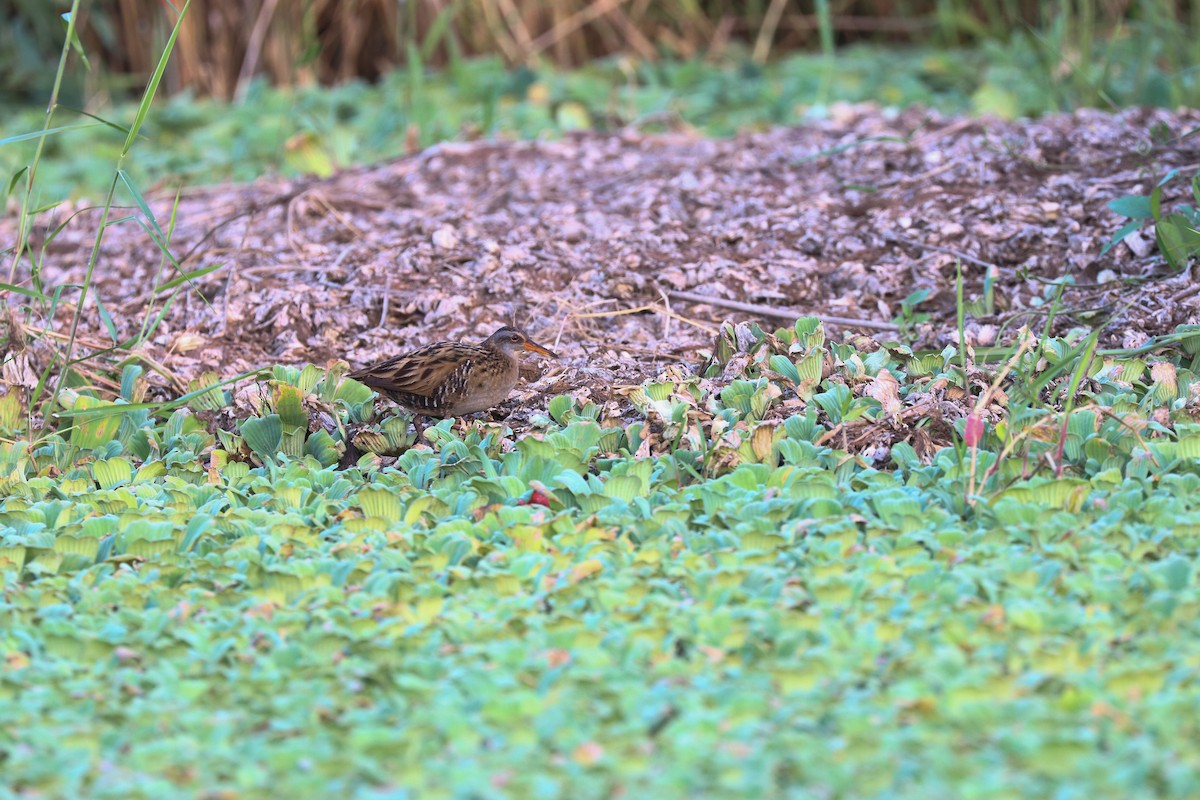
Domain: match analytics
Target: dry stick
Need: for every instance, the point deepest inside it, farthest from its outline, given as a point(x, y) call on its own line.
point(500, 35)
point(929, 137)
point(924, 177)
point(254, 49)
point(1183, 294)
point(720, 39)
point(401, 260)
point(643, 309)
point(62, 337)
point(766, 33)
point(250, 210)
point(570, 316)
point(387, 296)
point(516, 24)
point(806, 23)
point(323, 201)
point(780, 313)
point(667, 316)
point(571, 24)
point(637, 39)
point(892, 237)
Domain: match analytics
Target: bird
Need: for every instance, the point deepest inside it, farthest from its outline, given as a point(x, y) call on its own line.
point(452, 379)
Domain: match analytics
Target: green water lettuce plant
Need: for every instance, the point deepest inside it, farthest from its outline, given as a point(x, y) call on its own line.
point(304, 412)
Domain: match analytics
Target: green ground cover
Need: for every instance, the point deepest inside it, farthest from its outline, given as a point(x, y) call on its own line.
point(710, 601)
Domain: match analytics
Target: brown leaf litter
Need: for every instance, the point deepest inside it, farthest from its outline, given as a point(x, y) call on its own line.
point(599, 245)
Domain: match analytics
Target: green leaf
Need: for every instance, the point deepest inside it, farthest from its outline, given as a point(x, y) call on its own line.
point(810, 331)
point(1119, 236)
point(25, 137)
point(85, 546)
point(750, 399)
point(263, 435)
point(623, 487)
point(1178, 572)
point(915, 299)
point(188, 277)
point(113, 472)
point(834, 401)
point(572, 116)
point(1000, 101)
point(106, 318)
point(12, 182)
point(150, 471)
point(211, 400)
point(1134, 206)
point(559, 406)
point(289, 405)
point(396, 431)
point(11, 412)
point(91, 433)
point(1065, 493)
point(785, 367)
point(115, 410)
point(9, 287)
point(68, 21)
point(1177, 240)
point(309, 377)
point(129, 382)
point(323, 448)
point(148, 221)
point(353, 393)
point(378, 501)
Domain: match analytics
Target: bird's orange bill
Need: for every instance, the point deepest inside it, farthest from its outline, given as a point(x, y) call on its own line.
point(537, 348)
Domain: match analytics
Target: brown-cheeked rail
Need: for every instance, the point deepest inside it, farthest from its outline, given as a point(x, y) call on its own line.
point(450, 379)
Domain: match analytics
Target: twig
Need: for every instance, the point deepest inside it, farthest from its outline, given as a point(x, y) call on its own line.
point(323, 201)
point(780, 313)
point(500, 33)
point(254, 49)
point(387, 291)
point(642, 310)
point(637, 40)
point(667, 316)
point(569, 25)
point(517, 25)
point(766, 33)
point(253, 208)
point(897, 239)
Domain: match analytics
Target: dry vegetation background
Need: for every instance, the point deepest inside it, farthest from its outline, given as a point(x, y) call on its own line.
point(304, 41)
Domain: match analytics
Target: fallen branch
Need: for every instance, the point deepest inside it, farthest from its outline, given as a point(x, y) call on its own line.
point(789, 314)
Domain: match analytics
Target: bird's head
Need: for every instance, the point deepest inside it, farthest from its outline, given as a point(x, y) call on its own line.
point(513, 342)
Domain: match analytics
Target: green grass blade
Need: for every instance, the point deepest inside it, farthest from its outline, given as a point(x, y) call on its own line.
point(42, 134)
point(188, 277)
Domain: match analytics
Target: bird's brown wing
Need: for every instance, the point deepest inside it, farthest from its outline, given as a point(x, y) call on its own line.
point(430, 379)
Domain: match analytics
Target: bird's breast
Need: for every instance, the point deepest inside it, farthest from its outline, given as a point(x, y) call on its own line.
point(484, 388)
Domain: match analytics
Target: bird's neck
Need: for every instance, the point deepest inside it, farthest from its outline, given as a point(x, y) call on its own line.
point(503, 354)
